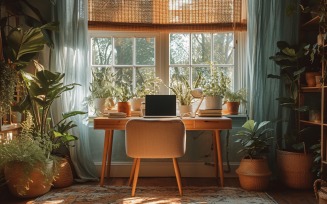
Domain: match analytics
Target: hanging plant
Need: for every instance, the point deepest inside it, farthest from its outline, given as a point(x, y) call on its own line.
point(8, 82)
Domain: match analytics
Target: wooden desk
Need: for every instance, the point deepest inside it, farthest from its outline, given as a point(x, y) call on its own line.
point(215, 124)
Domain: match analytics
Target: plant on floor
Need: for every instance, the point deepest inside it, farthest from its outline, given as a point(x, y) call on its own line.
point(255, 139)
point(292, 62)
point(27, 152)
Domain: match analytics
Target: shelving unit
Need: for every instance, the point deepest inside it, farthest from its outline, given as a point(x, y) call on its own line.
point(309, 31)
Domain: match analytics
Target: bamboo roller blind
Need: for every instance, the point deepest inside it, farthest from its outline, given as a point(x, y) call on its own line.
point(168, 15)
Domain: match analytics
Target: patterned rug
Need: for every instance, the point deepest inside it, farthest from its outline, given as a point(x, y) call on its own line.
point(122, 194)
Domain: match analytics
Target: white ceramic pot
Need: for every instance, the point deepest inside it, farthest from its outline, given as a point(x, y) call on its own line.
point(136, 103)
point(183, 109)
point(213, 102)
point(99, 105)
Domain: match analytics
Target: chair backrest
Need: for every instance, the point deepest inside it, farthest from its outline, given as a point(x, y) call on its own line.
point(155, 138)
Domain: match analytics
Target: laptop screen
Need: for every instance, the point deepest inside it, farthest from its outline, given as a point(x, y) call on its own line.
point(160, 105)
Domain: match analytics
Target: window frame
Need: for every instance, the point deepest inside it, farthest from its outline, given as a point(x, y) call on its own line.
point(161, 52)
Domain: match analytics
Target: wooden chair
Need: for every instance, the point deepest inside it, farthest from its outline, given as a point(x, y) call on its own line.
point(155, 138)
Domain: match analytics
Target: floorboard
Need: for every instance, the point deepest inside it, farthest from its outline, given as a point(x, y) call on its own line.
point(281, 194)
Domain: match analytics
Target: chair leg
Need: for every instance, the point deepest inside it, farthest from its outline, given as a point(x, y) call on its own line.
point(136, 175)
point(178, 176)
point(131, 176)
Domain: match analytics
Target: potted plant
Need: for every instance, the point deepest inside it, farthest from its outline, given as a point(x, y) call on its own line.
point(149, 86)
point(28, 172)
point(293, 156)
point(181, 88)
point(124, 95)
point(102, 89)
point(254, 171)
point(41, 91)
point(215, 88)
point(232, 99)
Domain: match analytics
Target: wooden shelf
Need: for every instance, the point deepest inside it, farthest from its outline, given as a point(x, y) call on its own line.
point(311, 89)
point(311, 22)
point(10, 128)
point(310, 122)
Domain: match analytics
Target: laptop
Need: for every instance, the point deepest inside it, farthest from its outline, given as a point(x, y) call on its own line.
point(160, 106)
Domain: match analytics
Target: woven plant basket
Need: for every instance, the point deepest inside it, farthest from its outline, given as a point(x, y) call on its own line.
point(254, 174)
point(320, 188)
point(295, 169)
point(64, 176)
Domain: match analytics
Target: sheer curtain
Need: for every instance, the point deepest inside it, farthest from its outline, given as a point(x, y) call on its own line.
point(69, 57)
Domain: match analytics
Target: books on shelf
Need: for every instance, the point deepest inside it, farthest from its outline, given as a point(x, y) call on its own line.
point(117, 115)
point(210, 112)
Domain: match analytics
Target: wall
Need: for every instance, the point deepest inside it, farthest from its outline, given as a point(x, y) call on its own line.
point(197, 161)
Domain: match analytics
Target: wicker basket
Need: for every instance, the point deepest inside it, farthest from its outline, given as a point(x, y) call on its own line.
point(295, 169)
point(64, 177)
point(320, 188)
point(254, 174)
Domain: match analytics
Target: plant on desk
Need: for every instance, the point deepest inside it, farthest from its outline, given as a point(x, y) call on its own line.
point(182, 89)
point(124, 95)
point(102, 89)
point(253, 171)
point(232, 99)
point(149, 86)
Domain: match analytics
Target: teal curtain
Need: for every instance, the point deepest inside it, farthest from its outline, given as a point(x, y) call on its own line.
point(70, 57)
point(268, 23)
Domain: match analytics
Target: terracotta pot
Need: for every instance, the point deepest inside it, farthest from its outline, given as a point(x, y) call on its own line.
point(124, 107)
point(64, 174)
point(232, 108)
point(310, 78)
point(295, 169)
point(28, 183)
point(254, 174)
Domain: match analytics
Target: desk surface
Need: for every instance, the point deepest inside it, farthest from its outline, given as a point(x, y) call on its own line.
point(197, 123)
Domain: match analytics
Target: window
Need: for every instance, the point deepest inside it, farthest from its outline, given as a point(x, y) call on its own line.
point(132, 58)
point(137, 56)
point(191, 53)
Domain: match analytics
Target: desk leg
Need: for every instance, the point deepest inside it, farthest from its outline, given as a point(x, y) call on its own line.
point(106, 154)
point(215, 157)
point(220, 160)
point(110, 133)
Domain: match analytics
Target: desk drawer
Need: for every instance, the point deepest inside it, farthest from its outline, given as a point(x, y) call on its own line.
point(212, 124)
point(110, 124)
point(189, 124)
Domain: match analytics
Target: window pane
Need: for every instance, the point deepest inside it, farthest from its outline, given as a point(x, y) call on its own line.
point(179, 49)
point(124, 51)
point(143, 73)
point(101, 51)
point(201, 48)
point(204, 71)
point(145, 51)
point(124, 74)
point(176, 72)
point(223, 48)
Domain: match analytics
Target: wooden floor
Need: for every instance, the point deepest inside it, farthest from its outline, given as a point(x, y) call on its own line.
point(278, 192)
